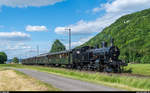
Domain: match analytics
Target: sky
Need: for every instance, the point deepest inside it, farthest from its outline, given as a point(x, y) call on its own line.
point(28, 24)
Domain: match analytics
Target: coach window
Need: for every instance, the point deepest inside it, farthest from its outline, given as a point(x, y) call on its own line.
point(50, 56)
point(58, 55)
point(55, 56)
point(63, 55)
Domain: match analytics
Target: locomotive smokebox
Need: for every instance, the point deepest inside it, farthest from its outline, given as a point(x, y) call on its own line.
point(104, 44)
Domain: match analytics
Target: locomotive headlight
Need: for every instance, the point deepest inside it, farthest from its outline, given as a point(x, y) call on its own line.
point(110, 60)
point(78, 52)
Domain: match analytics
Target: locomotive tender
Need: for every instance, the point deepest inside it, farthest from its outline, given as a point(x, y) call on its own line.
point(103, 59)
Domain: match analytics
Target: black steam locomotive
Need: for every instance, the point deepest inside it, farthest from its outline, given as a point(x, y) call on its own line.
point(104, 59)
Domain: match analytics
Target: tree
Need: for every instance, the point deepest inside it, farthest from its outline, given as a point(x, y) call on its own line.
point(3, 57)
point(57, 46)
point(15, 60)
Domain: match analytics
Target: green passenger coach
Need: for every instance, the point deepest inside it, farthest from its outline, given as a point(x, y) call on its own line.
point(55, 59)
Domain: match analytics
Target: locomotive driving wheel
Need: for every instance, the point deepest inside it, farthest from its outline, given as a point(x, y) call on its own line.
point(117, 69)
point(79, 67)
point(85, 67)
point(107, 69)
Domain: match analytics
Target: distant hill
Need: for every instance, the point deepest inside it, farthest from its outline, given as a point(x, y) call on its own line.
point(132, 35)
point(57, 46)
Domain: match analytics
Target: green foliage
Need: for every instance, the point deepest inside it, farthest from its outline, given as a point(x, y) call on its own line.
point(15, 60)
point(132, 35)
point(3, 57)
point(57, 46)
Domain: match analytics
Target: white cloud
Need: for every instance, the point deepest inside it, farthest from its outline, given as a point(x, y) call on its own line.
point(80, 42)
point(114, 10)
point(127, 5)
point(83, 27)
point(97, 9)
point(18, 46)
point(15, 49)
point(14, 36)
point(80, 27)
point(27, 3)
point(36, 28)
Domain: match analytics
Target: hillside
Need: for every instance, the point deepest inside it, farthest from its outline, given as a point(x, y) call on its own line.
point(57, 46)
point(132, 35)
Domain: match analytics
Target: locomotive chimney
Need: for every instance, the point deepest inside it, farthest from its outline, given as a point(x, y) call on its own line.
point(112, 42)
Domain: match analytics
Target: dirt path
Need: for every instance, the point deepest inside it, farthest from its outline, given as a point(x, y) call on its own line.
point(66, 84)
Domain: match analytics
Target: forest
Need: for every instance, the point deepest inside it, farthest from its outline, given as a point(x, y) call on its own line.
point(131, 34)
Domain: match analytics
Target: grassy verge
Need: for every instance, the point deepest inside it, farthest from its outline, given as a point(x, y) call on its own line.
point(141, 69)
point(47, 87)
point(11, 80)
point(129, 83)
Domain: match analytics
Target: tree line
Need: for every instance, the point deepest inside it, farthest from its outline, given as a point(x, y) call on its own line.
point(3, 58)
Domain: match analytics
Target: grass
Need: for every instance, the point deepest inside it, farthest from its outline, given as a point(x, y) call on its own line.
point(141, 69)
point(11, 80)
point(125, 82)
point(45, 85)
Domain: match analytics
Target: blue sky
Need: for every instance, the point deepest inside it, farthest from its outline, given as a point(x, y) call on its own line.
point(24, 24)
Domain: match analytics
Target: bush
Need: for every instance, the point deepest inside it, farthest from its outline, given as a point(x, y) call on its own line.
point(15, 60)
point(145, 59)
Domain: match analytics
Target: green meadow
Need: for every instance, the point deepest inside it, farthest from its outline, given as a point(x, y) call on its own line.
point(140, 69)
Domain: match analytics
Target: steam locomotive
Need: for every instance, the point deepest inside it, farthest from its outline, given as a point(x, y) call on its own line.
point(104, 59)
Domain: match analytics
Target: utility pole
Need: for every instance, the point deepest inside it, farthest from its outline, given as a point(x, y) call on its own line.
point(37, 49)
point(20, 59)
point(69, 29)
